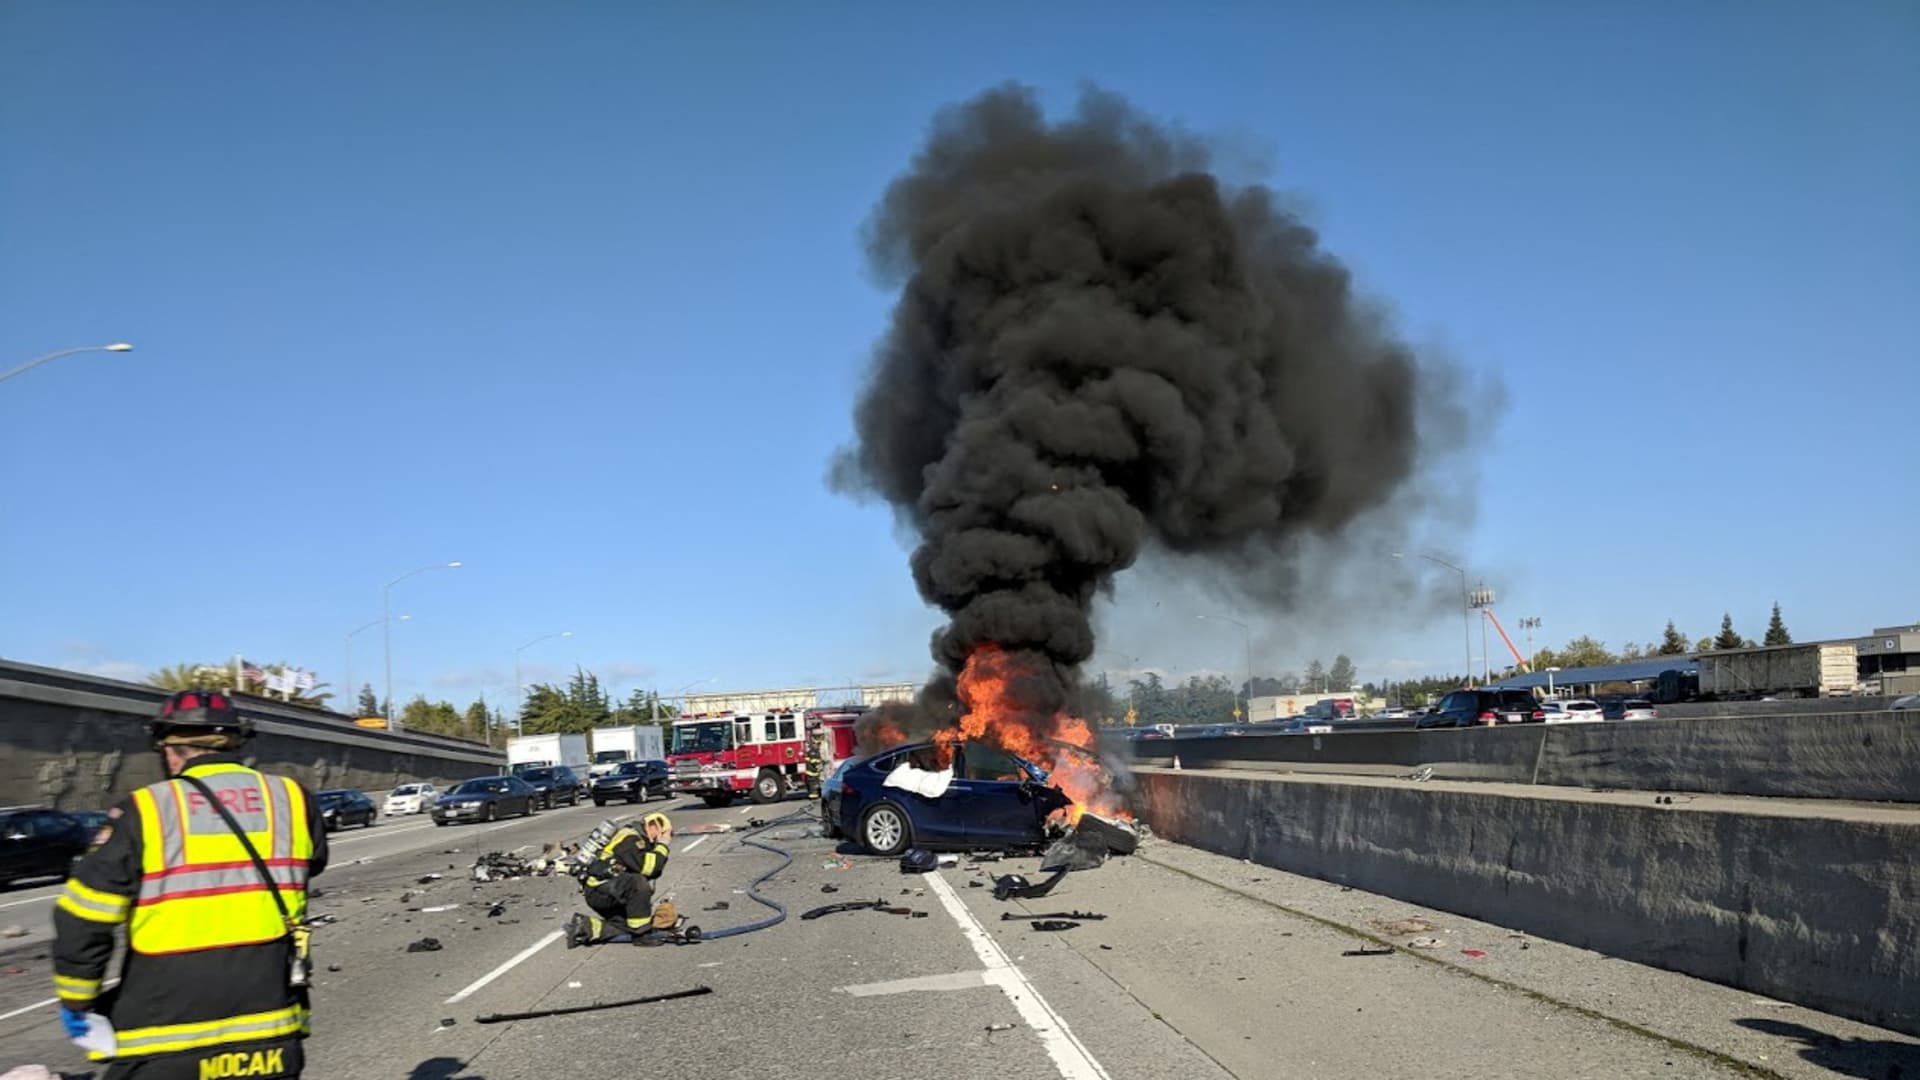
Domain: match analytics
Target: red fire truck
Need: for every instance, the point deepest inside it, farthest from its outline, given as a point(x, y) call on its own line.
point(762, 755)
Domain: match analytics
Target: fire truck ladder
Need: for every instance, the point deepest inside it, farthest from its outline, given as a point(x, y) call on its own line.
point(1519, 660)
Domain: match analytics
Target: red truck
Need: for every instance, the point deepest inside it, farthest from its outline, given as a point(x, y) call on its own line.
point(762, 755)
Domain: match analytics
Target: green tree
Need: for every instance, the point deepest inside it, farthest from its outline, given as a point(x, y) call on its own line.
point(1728, 637)
point(1151, 701)
point(368, 705)
point(1340, 677)
point(1584, 651)
point(191, 677)
point(1315, 679)
point(435, 717)
point(1672, 642)
point(1777, 629)
point(1705, 644)
point(1632, 650)
point(478, 722)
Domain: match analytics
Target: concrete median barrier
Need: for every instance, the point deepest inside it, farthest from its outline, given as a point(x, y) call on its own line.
point(1867, 756)
point(1814, 904)
point(79, 742)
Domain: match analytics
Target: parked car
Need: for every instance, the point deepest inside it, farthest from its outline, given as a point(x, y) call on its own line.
point(1630, 709)
point(995, 800)
point(553, 784)
point(38, 842)
point(341, 807)
point(487, 798)
point(1571, 711)
point(1901, 704)
point(409, 799)
point(91, 820)
point(1479, 708)
point(633, 781)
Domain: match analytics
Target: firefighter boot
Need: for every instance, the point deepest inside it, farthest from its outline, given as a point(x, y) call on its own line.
point(581, 930)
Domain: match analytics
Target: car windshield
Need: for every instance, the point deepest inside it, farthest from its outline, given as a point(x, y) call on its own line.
point(534, 776)
point(407, 789)
point(630, 768)
point(491, 786)
point(602, 757)
point(707, 737)
point(330, 798)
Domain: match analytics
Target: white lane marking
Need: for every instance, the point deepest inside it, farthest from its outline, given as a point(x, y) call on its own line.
point(29, 900)
point(958, 980)
point(693, 845)
point(745, 810)
point(483, 980)
point(50, 1001)
point(1069, 1054)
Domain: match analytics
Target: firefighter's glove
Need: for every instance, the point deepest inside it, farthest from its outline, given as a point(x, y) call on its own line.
point(74, 1022)
point(664, 917)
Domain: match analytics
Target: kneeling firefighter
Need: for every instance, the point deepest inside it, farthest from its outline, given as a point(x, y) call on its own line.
point(618, 886)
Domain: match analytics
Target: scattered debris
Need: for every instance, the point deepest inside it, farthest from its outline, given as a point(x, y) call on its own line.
point(447, 1021)
point(1424, 943)
point(1083, 916)
point(1000, 1027)
point(880, 906)
point(1473, 954)
point(829, 888)
point(498, 909)
point(425, 944)
point(1403, 927)
point(756, 823)
point(335, 967)
point(429, 879)
point(1367, 952)
point(947, 860)
point(1109, 948)
point(1419, 776)
point(322, 920)
point(14, 931)
point(976, 883)
point(709, 827)
point(1054, 924)
point(438, 908)
point(1017, 887)
point(717, 905)
point(13, 971)
point(499, 1018)
point(919, 861)
point(574, 985)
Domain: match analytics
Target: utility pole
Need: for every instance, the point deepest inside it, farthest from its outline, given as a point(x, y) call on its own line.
point(1480, 600)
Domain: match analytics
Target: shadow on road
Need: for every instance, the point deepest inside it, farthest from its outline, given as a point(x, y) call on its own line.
point(1868, 1059)
point(442, 1068)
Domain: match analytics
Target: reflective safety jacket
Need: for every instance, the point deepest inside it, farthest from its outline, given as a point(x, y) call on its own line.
point(207, 950)
point(627, 852)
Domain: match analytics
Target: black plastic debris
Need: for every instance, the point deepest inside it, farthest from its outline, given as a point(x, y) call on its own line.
point(501, 1018)
point(718, 905)
point(919, 861)
point(425, 944)
point(322, 920)
point(1054, 924)
point(976, 883)
point(1367, 952)
point(497, 910)
point(1080, 916)
point(1017, 887)
point(428, 879)
point(999, 1027)
point(829, 888)
point(334, 967)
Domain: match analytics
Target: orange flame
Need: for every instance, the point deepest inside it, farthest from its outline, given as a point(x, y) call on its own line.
point(1060, 743)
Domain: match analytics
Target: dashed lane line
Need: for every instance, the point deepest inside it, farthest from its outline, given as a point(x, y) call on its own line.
point(520, 957)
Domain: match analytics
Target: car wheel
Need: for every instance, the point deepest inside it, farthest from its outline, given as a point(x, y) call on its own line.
point(598, 801)
point(636, 796)
point(440, 823)
point(493, 811)
point(884, 830)
point(527, 810)
point(769, 787)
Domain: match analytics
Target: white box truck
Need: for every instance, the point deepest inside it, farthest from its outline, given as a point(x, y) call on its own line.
point(631, 742)
point(529, 751)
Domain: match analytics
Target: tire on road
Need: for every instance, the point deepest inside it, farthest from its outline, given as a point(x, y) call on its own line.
point(493, 811)
point(885, 829)
point(768, 787)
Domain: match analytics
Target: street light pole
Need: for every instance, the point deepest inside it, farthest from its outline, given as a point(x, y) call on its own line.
point(520, 687)
point(350, 636)
point(119, 346)
point(1466, 607)
point(1247, 634)
point(386, 618)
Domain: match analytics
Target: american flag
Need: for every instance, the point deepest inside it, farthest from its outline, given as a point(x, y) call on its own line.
point(251, 673)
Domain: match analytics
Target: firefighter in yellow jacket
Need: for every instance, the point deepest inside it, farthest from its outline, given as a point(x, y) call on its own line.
point(618, 886)
point(214, 980)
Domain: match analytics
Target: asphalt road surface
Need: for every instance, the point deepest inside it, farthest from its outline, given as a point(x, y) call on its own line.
point(1204, 967)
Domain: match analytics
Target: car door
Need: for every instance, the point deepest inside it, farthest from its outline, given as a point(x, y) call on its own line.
point(994, 804)
point(54, 840)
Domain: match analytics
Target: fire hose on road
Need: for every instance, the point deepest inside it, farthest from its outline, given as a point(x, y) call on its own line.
point(753, 888)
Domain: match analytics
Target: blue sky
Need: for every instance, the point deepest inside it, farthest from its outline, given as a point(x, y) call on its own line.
point(573, 294)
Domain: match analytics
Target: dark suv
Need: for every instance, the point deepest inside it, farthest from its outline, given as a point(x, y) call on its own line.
point(634, 781)
point(551, 784)
point(36, 842)
point(1484, 708)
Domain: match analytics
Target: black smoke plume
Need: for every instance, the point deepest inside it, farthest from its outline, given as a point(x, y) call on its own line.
point(1100, 346)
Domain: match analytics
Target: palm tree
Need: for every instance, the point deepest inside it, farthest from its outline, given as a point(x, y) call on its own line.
point(210, 676)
